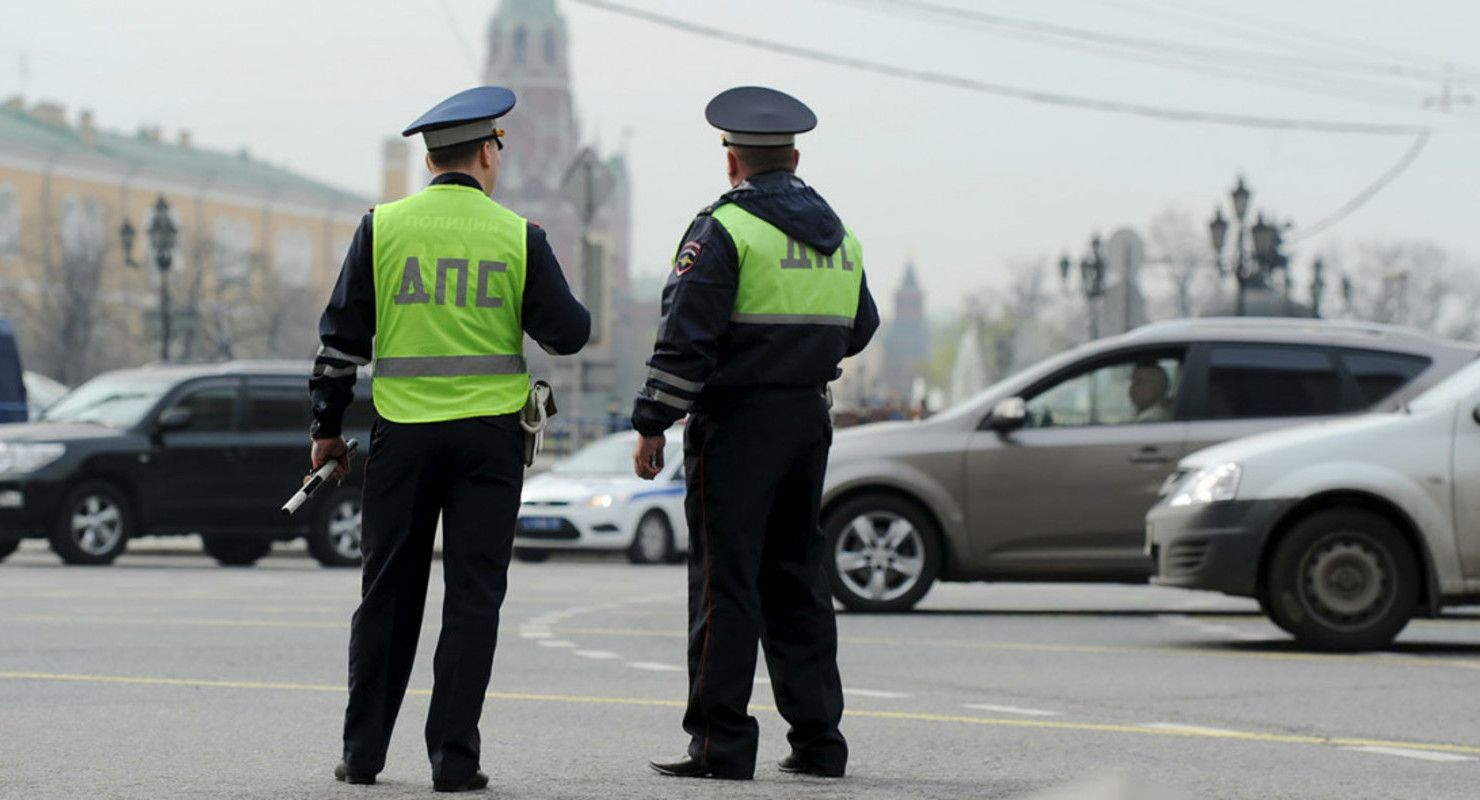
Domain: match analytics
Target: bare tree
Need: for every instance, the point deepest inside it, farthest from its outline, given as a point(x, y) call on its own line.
point(1413, 283)
point(1179, 246)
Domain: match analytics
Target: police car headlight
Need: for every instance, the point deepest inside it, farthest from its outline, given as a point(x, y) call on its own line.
point(606, 500)
point(22, 457)
point(1213, 484)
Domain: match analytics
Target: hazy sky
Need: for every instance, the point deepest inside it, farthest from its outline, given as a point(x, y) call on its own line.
point(962, 182)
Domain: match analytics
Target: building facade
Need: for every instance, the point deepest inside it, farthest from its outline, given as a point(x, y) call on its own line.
point(906, 342)
point(258, 246)
point(529, 52)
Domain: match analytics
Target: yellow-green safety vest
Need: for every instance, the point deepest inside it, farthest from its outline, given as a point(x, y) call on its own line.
point(786, 282)
point(449, 296)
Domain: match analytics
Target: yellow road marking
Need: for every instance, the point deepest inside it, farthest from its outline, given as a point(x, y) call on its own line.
point(1048, 647)
point(906, 716)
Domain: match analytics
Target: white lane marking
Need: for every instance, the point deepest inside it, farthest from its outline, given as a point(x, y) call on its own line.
point(535, 634)
point(599, 655)
point(1178, 619)
point(759, 679)
point(653, 666)
point(1177, 726)
point(1027, 712)
point(1422, 755)
point(875, 693)
point(560, 643)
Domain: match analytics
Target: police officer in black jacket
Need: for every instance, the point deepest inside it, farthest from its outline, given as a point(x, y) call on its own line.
point(767, 296)
point(461, 280)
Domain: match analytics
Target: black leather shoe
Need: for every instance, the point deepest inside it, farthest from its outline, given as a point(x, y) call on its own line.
point(478, 781)
point(690, 767)
point(342, 774)
point(797, 765)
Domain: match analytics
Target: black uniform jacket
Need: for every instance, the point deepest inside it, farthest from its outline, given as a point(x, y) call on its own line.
point(701, 355)
point(552, 316)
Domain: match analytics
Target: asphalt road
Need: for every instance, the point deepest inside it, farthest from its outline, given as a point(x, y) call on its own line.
point(166, 676)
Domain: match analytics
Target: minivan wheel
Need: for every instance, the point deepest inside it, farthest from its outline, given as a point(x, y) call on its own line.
point(653, 542)
point(1343, 579)
point(236, 551)
point(335, 539)
point(93, 526)
point(883, 553)
point(8, 546)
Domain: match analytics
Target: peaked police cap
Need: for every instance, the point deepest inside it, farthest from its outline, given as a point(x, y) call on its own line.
point(754, 116)
point(464, 117)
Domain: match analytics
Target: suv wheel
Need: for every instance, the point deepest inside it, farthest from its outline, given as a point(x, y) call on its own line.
point(8, 546)
point(94, 525)
point(236, 551)
point(883, 553)
point(1343, 579)
point(335, 540)
point(653, 542)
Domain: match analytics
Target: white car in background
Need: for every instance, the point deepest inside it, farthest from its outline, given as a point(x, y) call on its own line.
point(592, 501)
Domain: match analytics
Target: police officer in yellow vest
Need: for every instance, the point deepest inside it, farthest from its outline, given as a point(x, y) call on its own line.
point(767, 296)
point(446, 283)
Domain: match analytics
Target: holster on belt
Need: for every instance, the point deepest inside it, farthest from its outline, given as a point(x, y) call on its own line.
point(533, 418)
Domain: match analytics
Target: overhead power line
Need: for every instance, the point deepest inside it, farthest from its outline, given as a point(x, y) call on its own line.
point(1164, 113)
point(1367, 193)
point(1202, 51)
point(1262, 68)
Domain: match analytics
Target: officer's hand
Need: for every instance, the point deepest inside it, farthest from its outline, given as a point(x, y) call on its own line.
point(647, 462)
point(326, 450)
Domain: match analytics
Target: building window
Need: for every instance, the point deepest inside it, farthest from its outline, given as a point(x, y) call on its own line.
point(10, 219)
point(231, 250)
point(521, 45)
point(82, 228)
point(550, 47)
point(292, 258)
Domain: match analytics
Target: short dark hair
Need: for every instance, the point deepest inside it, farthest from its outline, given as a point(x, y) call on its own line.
point(456, 155)
point(764, 159)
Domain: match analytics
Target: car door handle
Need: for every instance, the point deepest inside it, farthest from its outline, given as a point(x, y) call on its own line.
point(1149, 455)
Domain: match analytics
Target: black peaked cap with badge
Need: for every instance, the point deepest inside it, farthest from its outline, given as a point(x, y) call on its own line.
point(467, 116)
point(754, 116)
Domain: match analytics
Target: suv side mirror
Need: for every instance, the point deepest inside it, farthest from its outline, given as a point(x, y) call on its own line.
point(1008, 415)
point(174, 419)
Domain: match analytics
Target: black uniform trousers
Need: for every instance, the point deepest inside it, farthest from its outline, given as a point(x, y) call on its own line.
point(754, 471)
point(469, 472)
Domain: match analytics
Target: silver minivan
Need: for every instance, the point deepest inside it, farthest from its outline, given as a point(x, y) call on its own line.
point(1048, 475)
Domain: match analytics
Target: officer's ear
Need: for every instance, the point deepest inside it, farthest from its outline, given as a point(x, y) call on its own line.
point(732, 165)
point(796, 159)
point(487, 156)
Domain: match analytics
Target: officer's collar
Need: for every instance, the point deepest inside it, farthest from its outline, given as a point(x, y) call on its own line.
point(457, 179)
point(770, 182)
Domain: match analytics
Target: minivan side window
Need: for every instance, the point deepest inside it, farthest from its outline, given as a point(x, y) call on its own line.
point(1247, 381)
point(212, 408)
point(1378, 375)
point(1136, 389)
point(277, 407)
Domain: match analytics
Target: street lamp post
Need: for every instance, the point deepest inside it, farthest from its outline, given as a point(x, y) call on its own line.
point(1091, 282)
point(162, 234)
point(1264, 236)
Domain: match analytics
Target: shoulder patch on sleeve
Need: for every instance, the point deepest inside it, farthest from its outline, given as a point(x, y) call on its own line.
point(536, 224)
point(688, 255)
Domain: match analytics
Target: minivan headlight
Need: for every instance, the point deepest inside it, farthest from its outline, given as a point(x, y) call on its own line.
point(21, 457)
point(1212, 484)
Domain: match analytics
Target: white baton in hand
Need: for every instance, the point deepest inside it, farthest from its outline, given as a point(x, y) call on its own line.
point(319, 478)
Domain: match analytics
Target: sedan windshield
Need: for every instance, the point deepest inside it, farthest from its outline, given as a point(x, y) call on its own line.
point(118, 400)
point(613, 456)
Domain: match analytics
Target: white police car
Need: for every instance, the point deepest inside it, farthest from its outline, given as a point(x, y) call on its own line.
point(592, 501)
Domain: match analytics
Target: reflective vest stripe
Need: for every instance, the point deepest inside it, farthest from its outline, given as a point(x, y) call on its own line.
point(674, 381)
point(792, 319)
point(448, 366)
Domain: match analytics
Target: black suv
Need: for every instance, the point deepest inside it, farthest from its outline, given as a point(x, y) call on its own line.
point(175, 449)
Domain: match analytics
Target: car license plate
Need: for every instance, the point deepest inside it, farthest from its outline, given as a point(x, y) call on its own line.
point(539, 523)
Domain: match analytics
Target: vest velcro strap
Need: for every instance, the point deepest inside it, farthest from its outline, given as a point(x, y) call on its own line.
point(449, 366)
point(792, 319)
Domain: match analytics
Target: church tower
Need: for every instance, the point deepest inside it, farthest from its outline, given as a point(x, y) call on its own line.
point(528, 52)
point(907, 342)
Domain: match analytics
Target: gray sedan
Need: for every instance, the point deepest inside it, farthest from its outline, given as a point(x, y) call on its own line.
point(1049, 474)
